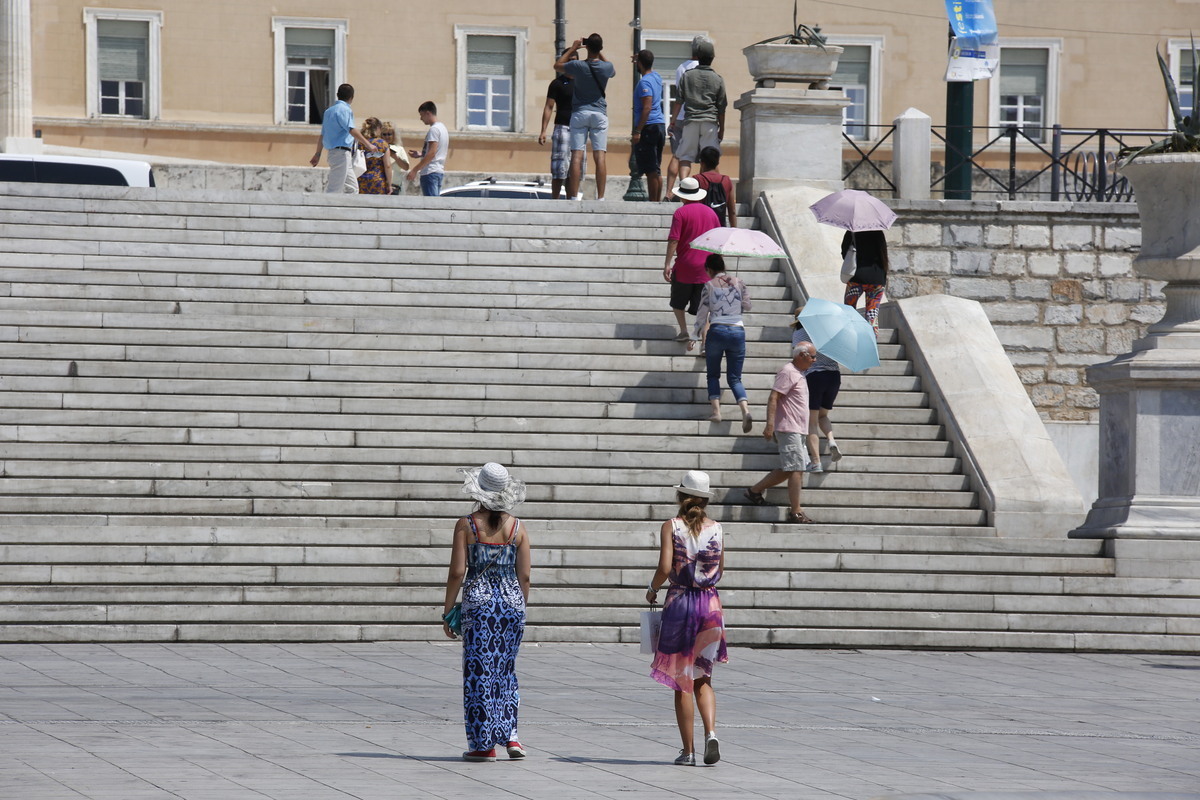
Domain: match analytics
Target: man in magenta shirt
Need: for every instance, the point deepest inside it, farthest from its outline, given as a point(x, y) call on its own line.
point(687, 275)
point(787, 423)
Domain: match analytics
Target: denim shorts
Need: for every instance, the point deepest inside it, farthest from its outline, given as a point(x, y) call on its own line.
point(588, 124)
point(793, 451)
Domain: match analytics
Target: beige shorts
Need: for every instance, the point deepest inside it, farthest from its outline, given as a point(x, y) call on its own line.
point(793, 451)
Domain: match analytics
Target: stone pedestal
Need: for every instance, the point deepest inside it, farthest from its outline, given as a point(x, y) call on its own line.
point(791, 131)
point(16, 79)
point(1150, 398)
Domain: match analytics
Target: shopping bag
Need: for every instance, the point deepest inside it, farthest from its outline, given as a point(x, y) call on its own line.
point(651, 625)
point(360, 162)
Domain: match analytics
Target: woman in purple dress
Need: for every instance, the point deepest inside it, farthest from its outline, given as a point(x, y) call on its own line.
point(692, 638)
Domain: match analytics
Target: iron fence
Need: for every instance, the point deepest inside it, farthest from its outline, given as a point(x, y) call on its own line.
point(885, 133)
point(1080, 164)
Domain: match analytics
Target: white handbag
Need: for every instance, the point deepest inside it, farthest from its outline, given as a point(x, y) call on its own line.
point(651, 625)
point(850, 262)
point(359, 164)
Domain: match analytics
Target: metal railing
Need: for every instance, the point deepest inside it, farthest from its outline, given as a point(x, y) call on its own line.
point(885, 132)
point(1078, 166)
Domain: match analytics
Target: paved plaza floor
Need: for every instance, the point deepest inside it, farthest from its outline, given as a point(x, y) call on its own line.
point(384, 720)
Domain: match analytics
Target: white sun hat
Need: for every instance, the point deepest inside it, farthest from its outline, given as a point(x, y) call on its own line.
point(689, 189)
point(493, 487)
point(695, 483)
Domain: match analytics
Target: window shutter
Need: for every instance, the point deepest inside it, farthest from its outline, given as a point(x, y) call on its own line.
point(854, 66)
point(1023, 70)
point(491, 55)
point(309, 43)
point(123, 50)
point(669, 54)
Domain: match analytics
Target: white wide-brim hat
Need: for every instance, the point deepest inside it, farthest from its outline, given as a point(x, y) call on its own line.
point(689, 189)
point(695, 483)
point(493, 487)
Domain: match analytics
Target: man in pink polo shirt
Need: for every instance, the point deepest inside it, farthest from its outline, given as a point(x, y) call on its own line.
point(687, 275)
point(787, 423)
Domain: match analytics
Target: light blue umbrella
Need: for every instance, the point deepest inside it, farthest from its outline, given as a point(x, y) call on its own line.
point(838, 331)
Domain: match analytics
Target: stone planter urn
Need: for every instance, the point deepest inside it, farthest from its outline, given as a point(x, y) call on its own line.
point(1150, 398)
point(792, 63)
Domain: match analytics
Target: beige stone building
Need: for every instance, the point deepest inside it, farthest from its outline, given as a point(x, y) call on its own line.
point(243, 81)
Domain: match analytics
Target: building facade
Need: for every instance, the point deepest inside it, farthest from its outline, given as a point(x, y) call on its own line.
point(245, 81)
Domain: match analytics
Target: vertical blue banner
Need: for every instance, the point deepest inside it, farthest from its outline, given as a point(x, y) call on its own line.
point(975, 52)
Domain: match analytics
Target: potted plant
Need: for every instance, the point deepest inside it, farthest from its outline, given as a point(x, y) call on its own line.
point(802, 56)
point(1166, 180)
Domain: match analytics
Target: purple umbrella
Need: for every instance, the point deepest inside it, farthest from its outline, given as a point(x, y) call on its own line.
point(854, 211)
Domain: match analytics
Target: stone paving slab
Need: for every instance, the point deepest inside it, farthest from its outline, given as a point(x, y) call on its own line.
point(359, 721)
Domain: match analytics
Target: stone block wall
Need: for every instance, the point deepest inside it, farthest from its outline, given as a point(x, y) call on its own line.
point(1055, 279)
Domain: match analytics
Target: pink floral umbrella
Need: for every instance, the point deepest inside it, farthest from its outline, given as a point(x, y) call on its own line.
point(738, 242)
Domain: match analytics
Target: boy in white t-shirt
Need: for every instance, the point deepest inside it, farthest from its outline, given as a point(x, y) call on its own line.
point(432, 166)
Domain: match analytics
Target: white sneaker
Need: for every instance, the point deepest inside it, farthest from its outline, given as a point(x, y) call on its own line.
point(686, 759)
point(835, 454)
point(814, 466)
point(712, 749)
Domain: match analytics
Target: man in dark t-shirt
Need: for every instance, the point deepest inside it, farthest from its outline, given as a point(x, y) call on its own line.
point(558, 105)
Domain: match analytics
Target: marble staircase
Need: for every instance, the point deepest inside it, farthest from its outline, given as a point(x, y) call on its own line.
point(238, 416)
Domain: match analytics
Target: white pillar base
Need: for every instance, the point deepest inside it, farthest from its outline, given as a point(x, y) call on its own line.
point(23, 145)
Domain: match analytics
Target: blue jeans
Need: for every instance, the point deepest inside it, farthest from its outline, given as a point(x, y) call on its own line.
point(431, 184)
point(728, 341)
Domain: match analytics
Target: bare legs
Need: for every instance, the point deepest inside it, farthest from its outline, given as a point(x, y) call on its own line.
point(795, 482)
point(574, 173)
point(654, 187)
point(819, 421)
point(682, 320)
point(601, 172)
point(706, 701)
point(685, 169)
point(556, 187)
point(744, 405)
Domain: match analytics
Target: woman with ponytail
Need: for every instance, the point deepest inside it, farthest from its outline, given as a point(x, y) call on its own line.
point(692, 639)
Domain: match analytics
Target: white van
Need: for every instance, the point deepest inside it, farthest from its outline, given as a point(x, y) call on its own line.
point(17, 168)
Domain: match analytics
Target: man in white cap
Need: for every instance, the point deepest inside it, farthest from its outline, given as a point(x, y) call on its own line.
point(787, 424)
point(684, 267)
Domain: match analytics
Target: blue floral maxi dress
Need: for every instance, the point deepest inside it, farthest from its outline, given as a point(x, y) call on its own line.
point(493, 624)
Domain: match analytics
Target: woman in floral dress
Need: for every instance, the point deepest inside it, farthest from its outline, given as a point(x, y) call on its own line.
point(490, 562)
point(378, 177)
point(692, 639)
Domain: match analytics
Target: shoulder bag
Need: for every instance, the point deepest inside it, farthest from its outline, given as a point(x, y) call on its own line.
point(850, 262)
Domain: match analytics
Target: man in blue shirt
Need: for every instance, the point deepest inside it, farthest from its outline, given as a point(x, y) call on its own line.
point(649, 124)
point(338, 136)
point(589, 109)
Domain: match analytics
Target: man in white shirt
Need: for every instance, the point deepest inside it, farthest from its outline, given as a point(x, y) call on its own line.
point(432, 166)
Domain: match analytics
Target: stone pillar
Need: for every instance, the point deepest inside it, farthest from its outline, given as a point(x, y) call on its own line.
point(912, 144)
point(1150, 398)
point(16, 79)
point(791, 130)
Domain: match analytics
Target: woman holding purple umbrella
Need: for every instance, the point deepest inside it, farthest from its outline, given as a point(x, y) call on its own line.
point(691, 557)
point(871, 270)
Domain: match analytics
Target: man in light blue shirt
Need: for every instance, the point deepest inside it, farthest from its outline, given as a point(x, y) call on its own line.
point(649, 124)
point(338, 136)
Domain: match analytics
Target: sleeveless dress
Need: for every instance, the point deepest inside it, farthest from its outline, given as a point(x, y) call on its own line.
point(493, 623)
point(373, 181)
point(693, 625)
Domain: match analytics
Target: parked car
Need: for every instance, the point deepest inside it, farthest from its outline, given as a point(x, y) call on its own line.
point(519, 190)
point(79, 170)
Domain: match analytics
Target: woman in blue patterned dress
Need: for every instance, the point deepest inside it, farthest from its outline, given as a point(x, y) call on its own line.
point(490, 562)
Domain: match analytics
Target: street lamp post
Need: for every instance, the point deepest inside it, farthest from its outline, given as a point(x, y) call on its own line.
point(637, 186)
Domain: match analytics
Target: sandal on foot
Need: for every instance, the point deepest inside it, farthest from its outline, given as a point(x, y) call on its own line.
point(756, 498)
point(835, 454)
point(747, 422)
point(799, 519)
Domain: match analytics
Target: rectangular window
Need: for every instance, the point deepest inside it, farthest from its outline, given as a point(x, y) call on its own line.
point(1185, 76)
point(491, 67)
point(122, 63)
point(310, 63)
point(310, 89)
point(668, 55)
point(1024, 75)
point(854, 77)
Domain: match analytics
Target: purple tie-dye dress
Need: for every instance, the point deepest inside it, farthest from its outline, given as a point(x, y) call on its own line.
point(693, 625)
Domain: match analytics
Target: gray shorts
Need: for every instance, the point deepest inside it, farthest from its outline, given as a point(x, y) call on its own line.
point(793, 451)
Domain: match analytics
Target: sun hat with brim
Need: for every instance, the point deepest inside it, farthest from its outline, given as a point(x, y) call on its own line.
point(695, 483)
point(493, 487)
point(689, 189)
